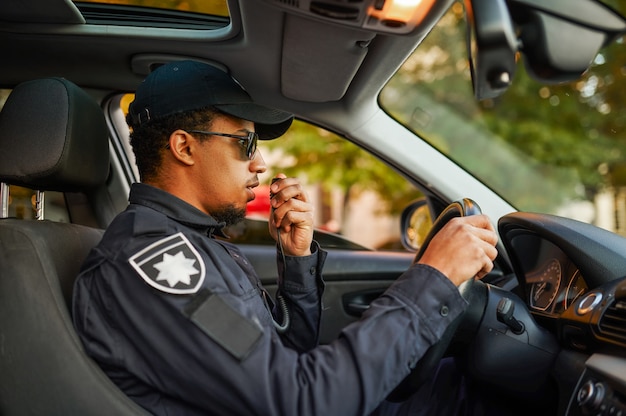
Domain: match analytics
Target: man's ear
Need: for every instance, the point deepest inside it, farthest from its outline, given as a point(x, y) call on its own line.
point(180, 146)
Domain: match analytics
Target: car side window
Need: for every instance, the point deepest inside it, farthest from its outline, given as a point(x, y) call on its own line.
point(354, 193)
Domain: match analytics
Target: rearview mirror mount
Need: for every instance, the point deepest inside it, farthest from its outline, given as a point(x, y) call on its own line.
point(558, 39)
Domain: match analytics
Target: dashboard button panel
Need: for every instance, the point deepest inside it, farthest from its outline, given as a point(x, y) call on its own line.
point(601, 390)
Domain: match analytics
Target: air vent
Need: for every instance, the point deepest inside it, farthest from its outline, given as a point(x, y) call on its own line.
point(613, 322)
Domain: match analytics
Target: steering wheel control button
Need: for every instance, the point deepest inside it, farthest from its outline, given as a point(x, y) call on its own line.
point(588, 302)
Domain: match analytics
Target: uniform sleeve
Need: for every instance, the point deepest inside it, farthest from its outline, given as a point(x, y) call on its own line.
point(160, 347)
point(301, 287)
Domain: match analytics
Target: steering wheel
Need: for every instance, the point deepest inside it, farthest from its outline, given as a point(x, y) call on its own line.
point(474, 292)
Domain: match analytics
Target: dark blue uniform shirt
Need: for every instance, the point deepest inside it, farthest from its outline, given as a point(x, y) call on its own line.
point(177, 319)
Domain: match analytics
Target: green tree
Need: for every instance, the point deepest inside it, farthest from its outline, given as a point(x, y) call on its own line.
point(331, 161)
point(573, 132)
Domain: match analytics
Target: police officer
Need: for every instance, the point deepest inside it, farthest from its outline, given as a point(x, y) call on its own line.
point(179, 320)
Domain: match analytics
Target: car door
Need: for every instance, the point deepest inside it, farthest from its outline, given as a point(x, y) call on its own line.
point(353, 278)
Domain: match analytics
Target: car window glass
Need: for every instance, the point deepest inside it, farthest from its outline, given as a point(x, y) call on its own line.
point(555, 149)
point(348, 187)
point(211, 7)
point(175, 14)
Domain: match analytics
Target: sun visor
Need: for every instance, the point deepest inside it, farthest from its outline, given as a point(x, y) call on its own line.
point(342, 49)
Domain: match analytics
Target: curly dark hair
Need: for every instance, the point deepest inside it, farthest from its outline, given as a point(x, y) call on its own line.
point(150, 139)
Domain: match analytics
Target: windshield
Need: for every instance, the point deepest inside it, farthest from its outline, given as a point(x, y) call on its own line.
point(556, 149)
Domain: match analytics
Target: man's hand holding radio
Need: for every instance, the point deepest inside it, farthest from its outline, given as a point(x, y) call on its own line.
point(291, 216)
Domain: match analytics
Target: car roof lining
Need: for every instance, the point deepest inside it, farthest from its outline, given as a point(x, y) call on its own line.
point(305, 46)
point(306, 74)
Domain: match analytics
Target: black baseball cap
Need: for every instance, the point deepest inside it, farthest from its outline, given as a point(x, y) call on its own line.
point(190, 85)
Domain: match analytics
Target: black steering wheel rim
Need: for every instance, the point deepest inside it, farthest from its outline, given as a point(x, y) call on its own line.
point(469, 290)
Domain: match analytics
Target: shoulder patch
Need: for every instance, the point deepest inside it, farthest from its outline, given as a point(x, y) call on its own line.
point(171, 265)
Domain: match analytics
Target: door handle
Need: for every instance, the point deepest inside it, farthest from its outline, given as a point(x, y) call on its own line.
point(356, 303)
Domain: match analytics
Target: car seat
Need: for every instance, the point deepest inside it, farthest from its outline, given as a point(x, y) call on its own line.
point(53, 136)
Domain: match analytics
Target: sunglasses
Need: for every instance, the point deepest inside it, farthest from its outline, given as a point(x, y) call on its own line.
point(248, 142)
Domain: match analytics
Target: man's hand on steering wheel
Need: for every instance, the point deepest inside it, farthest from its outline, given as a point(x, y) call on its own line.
point(463, 248)
point(461, 245)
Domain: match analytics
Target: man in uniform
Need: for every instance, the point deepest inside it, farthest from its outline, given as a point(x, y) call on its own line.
point(179, 320)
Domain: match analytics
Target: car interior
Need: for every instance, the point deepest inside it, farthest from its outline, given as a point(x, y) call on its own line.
point(547, 325)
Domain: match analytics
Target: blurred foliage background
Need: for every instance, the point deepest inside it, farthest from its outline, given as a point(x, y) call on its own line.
point(539, 146)
point(333, 163)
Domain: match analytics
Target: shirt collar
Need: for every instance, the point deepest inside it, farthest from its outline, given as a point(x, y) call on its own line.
point(174, 208)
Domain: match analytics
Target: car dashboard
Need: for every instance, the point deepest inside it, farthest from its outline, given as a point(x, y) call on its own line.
point(555, 283)
point(572, 280)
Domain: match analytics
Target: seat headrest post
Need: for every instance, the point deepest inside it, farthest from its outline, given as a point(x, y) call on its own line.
point(4, 200)
point(40, 202)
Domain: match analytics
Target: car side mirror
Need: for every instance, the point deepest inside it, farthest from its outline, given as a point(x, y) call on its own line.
point(558, 39)
point(415, 222)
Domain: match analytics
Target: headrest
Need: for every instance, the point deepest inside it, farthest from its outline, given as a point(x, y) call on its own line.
point(53, 136)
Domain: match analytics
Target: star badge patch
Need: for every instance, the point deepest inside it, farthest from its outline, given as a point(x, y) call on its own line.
point(171, 265)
